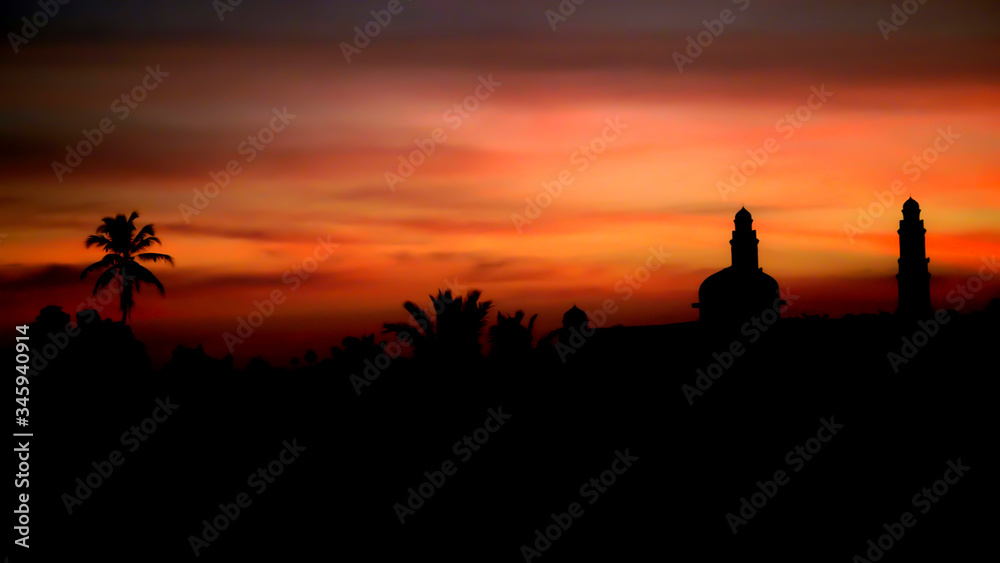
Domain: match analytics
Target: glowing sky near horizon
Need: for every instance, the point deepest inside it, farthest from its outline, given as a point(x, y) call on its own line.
point(654, 186)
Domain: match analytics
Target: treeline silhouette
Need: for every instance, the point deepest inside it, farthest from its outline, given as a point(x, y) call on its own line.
point(379, 411)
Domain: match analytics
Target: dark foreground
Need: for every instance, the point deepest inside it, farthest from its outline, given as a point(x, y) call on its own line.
point(338, 467)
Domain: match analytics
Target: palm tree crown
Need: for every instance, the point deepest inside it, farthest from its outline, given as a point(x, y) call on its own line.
point(122, 246)
point(509, 338)
point(456, 332)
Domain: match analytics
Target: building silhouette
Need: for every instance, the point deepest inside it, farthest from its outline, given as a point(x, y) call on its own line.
point(913, 279)
point(735, 294)
point(574, 318)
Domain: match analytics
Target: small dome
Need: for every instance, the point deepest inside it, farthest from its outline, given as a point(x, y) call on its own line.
point(575, 317)
point(743, 213)
point(911, 204)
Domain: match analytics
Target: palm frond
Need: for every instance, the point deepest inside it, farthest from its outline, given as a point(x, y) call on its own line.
point(97, 240)
point(104, 279)
point(155, 257)
point(424, 324)
point(108, 261)
point(143, 275)
point(109, 222)
point(146, 233)
point(147, 230)
point(138, 245)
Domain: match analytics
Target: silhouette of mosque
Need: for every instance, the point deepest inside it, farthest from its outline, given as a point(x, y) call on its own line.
point(573, 332)
point(743, 290)
point(914, 280)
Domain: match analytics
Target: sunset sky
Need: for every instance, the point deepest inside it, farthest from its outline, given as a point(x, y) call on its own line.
point(655, 185)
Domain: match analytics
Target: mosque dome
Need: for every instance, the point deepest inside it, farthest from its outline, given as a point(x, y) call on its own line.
point(574, 318)
point(737, 293)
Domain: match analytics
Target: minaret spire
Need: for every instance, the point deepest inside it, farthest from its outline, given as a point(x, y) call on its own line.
point(913, 279)
point(744, 242)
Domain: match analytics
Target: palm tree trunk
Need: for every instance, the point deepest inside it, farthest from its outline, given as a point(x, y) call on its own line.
point(126, 297)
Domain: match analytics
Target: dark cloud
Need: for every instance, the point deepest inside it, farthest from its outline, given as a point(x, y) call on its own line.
point(321, 20)
point(259, 235)
point(15, 279)
point(324, 278)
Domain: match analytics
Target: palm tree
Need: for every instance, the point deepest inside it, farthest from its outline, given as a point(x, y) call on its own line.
point(454, 334)
point(122, 246)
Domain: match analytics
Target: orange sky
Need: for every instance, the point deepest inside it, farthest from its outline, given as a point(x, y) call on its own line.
point(655, 185)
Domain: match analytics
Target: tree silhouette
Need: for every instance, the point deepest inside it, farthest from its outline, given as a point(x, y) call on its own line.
point(351, 357)
point(358, 349)
point(258, 365)
point(509, 339)
point(310, 357)
point(122, 246)
point(456, 331)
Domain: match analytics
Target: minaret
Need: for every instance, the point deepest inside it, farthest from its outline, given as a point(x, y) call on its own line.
point(913, 278)
point(736, 293)
point(744, 242)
